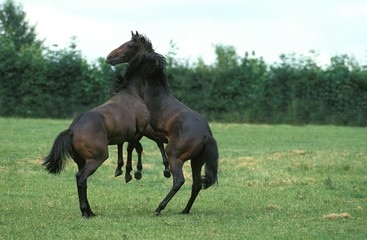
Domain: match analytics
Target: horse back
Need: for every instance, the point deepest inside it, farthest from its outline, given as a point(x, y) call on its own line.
point(184, 129)
point(175, 116)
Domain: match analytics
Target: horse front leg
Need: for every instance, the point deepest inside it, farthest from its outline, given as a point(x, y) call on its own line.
point(178, 181)
point(120, 160)
point(196, 165)
point(128, 168)
point(166, 171)
point(139, 165)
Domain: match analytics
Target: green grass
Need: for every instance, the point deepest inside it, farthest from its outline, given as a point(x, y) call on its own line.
point(275, 182)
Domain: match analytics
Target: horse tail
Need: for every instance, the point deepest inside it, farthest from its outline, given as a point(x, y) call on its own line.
point(61, 150)
point(211, 162)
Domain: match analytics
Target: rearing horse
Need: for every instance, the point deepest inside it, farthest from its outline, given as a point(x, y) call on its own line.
point(186, 132)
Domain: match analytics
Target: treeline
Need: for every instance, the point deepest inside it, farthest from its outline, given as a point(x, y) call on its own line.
point(38, 81)
point(296, 90)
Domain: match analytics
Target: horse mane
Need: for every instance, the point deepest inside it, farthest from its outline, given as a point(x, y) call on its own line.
point(157, 62)
point(119, 83)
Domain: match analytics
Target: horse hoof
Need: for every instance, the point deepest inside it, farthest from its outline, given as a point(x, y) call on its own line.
point(87, 215)
point(157, 213)
point(137, 175)
point(118, 173)
point(185, 211)
point(167, 173)
point(128, 178)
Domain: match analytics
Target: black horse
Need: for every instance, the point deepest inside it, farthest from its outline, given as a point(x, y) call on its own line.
point(186, 132)
point(123, 118)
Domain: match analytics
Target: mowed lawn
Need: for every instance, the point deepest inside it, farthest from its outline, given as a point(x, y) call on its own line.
point(275, 182)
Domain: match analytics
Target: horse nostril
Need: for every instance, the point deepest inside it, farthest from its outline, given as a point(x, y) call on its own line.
point(109, 57)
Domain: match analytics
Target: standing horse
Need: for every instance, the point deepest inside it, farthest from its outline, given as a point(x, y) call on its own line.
point(186, 132)
point(122, 118)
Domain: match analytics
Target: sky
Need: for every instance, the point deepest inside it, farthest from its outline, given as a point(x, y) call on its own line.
point(267, 27)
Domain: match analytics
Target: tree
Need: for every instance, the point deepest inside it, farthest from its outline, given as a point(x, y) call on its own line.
point(21, 61)
point(15, 27)
point(36, 81)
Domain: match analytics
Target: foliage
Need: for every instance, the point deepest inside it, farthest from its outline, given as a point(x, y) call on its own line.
point(296, 90)
point(275, 182)
point(37, 81)
point(44, 82)
point(14, 27)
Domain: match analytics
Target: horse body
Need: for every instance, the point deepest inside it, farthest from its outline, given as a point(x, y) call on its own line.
point(186, 133)
point(176, 123)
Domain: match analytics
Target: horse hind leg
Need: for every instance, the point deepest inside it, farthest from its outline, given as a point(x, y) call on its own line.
point(196, 184)
point(178, 181)
point(139, 166)
point(120, 160)
point(81, 181)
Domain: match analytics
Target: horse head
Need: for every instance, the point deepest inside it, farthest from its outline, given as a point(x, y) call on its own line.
point(138, 45)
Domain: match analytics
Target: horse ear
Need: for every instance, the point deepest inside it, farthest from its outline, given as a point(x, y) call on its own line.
point(136, 33)
point(132, 34)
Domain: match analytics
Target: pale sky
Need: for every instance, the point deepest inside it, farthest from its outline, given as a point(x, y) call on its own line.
point(268, 27)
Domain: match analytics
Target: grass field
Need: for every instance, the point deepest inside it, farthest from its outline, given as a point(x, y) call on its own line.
point(275, 182)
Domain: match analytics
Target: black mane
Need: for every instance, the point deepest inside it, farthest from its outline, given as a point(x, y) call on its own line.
point(157, 65)
point(119, 83)
point(158, 61)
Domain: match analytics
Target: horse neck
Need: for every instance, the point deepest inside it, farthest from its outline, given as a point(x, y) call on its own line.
point(156, 87)
point(149, 81)
point(137, 80)
point(137, 85)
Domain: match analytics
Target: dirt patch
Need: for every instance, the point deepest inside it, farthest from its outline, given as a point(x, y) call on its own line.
point(337, 215)
point(38, 161)
point(273, 207)
point(280, 155)
point(299, 152)
point(246, 162)
point(277, 156)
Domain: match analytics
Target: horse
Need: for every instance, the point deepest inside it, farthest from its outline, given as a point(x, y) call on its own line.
point(186, 132)
point(123, 118)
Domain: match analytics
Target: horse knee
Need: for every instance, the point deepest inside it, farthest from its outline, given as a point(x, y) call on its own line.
point(138, 147)
point(197, 186)
point(130, 147)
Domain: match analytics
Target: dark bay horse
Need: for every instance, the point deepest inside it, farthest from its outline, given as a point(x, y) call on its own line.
point(123, 118)
point(186, 132)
